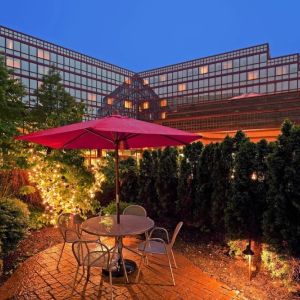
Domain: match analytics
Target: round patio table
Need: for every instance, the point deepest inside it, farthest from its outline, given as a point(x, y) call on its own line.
point(108, 226)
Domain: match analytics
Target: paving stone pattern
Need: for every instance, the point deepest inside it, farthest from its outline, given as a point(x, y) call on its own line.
point(38, 278)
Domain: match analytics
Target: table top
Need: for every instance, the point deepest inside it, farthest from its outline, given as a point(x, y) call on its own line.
point(107, 225)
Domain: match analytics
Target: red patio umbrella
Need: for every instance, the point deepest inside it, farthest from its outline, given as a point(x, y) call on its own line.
point(111, 133)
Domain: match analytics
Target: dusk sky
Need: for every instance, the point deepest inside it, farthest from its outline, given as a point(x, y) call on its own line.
point(141, 35)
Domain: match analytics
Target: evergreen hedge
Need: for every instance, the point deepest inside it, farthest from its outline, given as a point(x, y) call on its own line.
point(235, 189)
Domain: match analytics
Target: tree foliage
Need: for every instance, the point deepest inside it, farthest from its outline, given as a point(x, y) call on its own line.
point(221, 174)
point(204, 185)
point(281, 219)
point(13, 223)
point(147, 181)
point(187, 187)
point(129, 180)
point(12, 112)
point(60, 175)
point(166, 182)
point(55, 106)
point(239, 214)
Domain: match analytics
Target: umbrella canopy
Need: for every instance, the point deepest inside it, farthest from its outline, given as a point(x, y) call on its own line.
point(111, 133)
point(106, 132)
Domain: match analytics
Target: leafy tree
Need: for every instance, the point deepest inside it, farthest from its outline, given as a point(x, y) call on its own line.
point(55, 106)
point(281, 225)
point(147, 181)
point(187, 189)
point(12, 112)
point(129, 180)
point(202, 204)
point(60, 175)
point(238, 139)
point(221, 174)
point(128, 171)
point(263, 150)
point(241, 218)
point(167, 181)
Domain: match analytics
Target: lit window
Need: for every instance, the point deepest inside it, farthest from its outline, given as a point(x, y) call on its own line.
point(13, 63)
point(252, 75)
point(127, 80)
point(91, 97)
point(163, 115)
point(145, 105)
point(43, 54)
point(110, 101)
point(163, 103)
point(203, 70)
point(281, 70)
point(227, 64)
point(128, 104)
point(10, 62)
point(9, 44)
point(146, 81)
point(181, 87)
point(163, 77)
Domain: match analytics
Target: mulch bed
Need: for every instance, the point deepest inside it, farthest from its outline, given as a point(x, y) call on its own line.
point(208, 256)
point(213, 258)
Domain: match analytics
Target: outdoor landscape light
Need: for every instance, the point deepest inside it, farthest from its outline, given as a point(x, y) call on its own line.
point(249, 253)
point(254, 176)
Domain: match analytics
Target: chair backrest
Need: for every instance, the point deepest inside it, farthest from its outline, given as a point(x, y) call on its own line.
point(176, 231)
point(68, 221)
point(89, 252)
point(135, 210)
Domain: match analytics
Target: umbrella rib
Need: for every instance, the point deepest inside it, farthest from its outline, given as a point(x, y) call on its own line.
point(129, 136)
point(99, 135)
point(73, 139)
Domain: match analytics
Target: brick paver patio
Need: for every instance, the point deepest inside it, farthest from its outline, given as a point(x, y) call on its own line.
point(38, 278)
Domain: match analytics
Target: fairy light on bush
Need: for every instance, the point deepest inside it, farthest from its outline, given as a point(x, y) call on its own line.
point(60, 194)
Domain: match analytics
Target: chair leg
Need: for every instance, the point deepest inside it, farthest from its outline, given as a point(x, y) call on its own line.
point(140, 267)
point(83, 271)
point(174, 259)
point(61, 252)
point(75, 280)
point(111, 286)
point(171, 268)
point(88, 274)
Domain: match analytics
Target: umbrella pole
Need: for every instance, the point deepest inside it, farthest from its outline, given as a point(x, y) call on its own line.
point(117, 181)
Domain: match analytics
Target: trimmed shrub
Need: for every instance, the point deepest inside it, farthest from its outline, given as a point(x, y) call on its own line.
point(187, 188)
point(281, 225)
point(241, 218)
point(129, 187)
point(202, 203)
point(221, 174)
point(147, 179)
point(14, 217)
point(110, 209)
point(167, 179)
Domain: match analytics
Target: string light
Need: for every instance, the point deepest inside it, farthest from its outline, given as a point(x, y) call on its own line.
point(58, 192)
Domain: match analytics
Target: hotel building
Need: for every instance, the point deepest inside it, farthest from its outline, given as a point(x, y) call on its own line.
point(216, 95)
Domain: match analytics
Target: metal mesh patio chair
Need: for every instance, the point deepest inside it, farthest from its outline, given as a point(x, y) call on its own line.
point(135, 210)
point(159, 246)
point(93, 254)
point(69, 227)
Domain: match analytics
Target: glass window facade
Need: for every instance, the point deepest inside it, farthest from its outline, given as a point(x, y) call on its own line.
point(87, 79)
point(98, 84)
